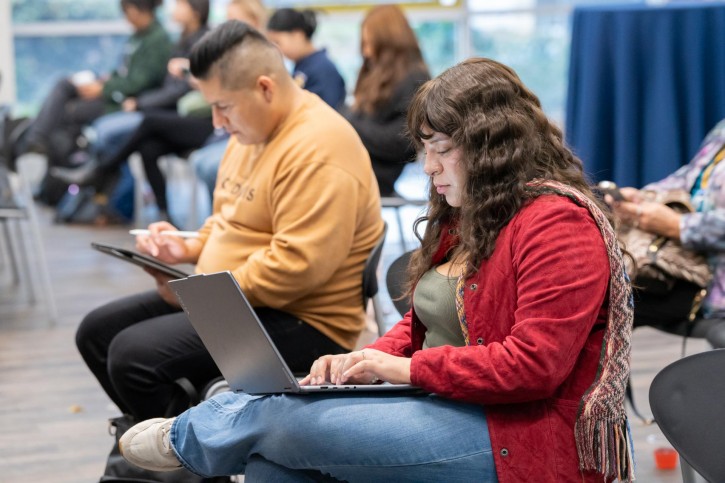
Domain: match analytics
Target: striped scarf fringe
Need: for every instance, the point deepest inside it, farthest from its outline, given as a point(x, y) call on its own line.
point(603, 438)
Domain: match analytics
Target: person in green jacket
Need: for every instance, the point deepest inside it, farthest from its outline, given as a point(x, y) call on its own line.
point(83, 97)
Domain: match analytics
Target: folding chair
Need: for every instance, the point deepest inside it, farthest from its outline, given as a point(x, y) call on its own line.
point(397, 203)
point(16, 208)
point(395, 281)
point(370, 282)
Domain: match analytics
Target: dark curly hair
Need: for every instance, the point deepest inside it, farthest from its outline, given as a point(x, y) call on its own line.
point(507, 143)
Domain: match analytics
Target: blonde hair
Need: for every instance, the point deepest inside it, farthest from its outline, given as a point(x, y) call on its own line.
point(255, 10)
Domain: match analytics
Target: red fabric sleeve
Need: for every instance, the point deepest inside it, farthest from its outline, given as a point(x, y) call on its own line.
point(396, 341)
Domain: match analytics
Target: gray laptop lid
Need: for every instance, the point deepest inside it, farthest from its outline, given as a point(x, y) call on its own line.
point(237, 341)
point(230, 330)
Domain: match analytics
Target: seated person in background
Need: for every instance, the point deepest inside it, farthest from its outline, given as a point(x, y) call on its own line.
point(516, 290)
point(79, 100)
point(392, 70)
point(294, 222)
point(109, 133)
point(161, 133)
point(703, 230)
point(292, 32)
point(112, 130)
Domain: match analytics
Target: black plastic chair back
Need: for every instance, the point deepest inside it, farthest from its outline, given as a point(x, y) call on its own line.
point(687, 402)
point(370, 275)
point(396, 279)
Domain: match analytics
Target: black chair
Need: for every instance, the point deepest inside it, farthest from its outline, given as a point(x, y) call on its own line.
point(687, 401)
point(370, 285)
point(395, 280)
point(716, 334)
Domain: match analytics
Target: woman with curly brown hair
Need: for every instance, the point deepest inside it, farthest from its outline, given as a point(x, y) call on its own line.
point(519, 327)
point(392, 70)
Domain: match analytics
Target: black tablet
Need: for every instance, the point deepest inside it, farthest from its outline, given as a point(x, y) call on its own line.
point(139, 259)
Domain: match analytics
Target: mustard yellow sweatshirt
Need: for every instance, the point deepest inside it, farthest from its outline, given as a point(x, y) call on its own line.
point(294, 219)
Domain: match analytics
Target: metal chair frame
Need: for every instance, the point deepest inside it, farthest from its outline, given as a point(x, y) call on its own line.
point(16, 247)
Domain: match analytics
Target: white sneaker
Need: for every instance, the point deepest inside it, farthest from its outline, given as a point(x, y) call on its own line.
point(147, 445)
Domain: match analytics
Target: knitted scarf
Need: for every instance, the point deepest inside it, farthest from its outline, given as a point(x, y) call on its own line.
point(603, 440)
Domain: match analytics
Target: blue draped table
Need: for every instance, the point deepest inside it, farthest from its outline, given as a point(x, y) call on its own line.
point(646, 83)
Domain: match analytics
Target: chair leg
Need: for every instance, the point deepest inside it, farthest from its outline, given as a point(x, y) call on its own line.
point(22, 258)
point(379, 316)
point(139, 182)
point(689, 475)
point(45, 283)
point(630, 397)
point(8, 245)
point(401, 231)
point(192, 220)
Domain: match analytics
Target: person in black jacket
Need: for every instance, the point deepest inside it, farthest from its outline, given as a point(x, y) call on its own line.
point(392, 70)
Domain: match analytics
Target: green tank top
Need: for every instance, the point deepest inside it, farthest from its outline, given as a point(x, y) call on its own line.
point(434, 301)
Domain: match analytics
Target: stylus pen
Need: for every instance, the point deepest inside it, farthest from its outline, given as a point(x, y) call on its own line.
point(179, 233)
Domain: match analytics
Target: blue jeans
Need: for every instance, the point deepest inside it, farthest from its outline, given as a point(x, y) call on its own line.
point(384, 437)
point(113, 130)
point(205, 161)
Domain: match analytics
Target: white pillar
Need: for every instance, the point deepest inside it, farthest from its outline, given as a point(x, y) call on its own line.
point(7, 54)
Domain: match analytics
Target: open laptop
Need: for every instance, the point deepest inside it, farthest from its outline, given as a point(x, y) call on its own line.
point(238, 342)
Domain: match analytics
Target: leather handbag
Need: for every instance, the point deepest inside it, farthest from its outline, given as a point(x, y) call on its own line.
point(657, 261)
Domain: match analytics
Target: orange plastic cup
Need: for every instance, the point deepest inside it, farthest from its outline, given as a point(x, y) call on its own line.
point(666, 458)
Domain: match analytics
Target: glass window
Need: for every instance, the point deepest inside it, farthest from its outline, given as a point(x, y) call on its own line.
point(41, 61)
point(535, 46)
point(341, 37)
point(438, 41)
point(27, 11)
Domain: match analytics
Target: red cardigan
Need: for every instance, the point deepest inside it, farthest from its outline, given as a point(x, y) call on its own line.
point(536, 312)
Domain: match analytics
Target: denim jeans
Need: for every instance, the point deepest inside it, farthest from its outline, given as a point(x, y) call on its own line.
point(358, 438)
point(113, 130)
point(205, 161)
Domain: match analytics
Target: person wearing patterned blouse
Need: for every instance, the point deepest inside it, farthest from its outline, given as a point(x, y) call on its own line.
point(702, 230)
